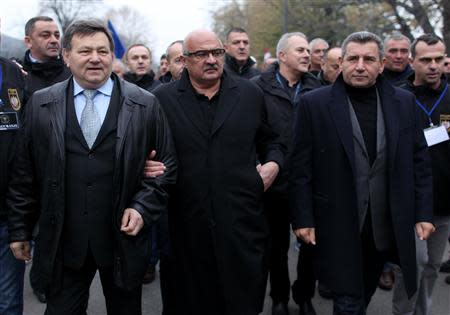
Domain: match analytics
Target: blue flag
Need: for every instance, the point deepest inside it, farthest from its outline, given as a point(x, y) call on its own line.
point(119, 48)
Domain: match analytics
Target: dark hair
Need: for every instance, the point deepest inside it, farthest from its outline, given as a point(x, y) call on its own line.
point(163, 56)
point(85, 28)
point(363, 38)
point(429, 39)
point(29, 26)
point(138, 45)
point(235, 30)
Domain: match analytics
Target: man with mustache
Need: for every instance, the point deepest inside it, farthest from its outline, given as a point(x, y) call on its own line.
point(43, 62)
point(361, 177)
point(218, 229)
point(429, 85)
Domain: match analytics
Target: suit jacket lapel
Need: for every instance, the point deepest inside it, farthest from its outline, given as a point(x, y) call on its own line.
point(340, 113)
point(188, 103)
point(229, 97)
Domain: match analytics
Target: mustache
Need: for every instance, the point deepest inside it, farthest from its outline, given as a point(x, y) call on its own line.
point(53, 46)
point(211, 67)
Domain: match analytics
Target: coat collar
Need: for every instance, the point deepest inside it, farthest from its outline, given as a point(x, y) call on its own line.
point(229, 96)
point(338, 106)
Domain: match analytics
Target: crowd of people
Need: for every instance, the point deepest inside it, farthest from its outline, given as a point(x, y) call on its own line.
point(209, 164)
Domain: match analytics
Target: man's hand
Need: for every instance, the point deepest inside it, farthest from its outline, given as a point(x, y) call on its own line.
point(308, 235)
point(268, 173)
point(153, 168)
point(21, 250)
point(132, 222)
point(424, 230)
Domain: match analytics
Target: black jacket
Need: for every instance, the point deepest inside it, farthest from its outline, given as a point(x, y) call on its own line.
point(440, 153)
point(281, 109)
point(146, 81)
point(12, 81)
point(219, 231)
point(38, 184)
point(42, 75)
point(248, 71)
point(322, 183)
point(398, 78)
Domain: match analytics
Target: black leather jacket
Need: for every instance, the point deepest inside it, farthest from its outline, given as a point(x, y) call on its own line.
point(37, 188)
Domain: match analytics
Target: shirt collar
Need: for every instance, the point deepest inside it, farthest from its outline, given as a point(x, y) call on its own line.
point(105, 89)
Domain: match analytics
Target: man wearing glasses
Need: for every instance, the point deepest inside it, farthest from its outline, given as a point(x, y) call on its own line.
point(217, 227)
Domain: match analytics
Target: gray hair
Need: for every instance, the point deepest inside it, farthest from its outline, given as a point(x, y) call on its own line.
point(284, 39)
point(396, 36)
point(363, 38)
point(316, 41)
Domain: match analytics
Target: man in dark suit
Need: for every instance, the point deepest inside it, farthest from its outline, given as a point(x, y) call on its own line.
point(218, 229)
point(85, 141)
point(361, 177)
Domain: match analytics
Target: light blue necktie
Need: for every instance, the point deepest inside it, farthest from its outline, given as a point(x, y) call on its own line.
point(90, 122)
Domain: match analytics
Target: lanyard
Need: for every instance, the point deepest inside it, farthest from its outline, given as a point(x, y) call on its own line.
point(297, 90)
point(438, 101)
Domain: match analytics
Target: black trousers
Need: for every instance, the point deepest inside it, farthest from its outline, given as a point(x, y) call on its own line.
point(277, 207)
point(304, 287)
point(73, 298)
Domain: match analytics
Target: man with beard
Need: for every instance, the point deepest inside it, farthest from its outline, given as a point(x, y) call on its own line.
point(218, 229)
point(138, 59)
point(237, 58)
point(361, 178)
point(43, 62)
point(283, 83)
point(429, 85)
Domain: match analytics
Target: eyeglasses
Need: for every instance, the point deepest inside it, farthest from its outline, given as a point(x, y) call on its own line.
point(204, 54)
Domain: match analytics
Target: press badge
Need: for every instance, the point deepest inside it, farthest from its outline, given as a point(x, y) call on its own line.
point(9, 121)
point(435, 135)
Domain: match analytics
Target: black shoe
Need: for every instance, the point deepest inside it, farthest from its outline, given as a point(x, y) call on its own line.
point(386, 281)
point(280, 308)
point(40, 296)
point(445, 267)
point(325, 292)
point(306, 309)
point(150, 275)
point(447, 279)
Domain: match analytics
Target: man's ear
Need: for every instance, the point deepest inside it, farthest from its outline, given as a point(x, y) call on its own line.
point(27, 41)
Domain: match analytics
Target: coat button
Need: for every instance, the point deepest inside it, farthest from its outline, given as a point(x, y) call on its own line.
point(91, 156)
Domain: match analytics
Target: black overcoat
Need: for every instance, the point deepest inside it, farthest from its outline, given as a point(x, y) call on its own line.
point(323, 190)
point(218, 229)
point(37, 189)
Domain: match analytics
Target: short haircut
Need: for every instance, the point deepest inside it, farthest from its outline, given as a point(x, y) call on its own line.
point(284, 39)
point(396, 36)
point(163, 56)
point(325, 56)
point(235, 30)
point(138, 45)
point(429, 39)
point(180, 41)
point(85, 28)
point(363, 38)
point(29, 26)
point(316, 41)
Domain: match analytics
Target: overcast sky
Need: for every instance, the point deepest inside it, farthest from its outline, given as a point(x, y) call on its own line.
point(169, 19)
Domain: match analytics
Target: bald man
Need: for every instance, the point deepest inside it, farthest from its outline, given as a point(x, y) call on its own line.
point(218, 230)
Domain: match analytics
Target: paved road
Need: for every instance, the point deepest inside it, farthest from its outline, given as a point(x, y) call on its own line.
point(380, 305)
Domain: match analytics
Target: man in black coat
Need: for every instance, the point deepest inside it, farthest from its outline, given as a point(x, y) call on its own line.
point(361, 177)
point(80, 162)
point(283, 83)
point(429, 85)
point(396, 55)
point(237, 59)
point(44, 66)
point(138, 58)
point(218, 228)
point(11, 107)
point(43, 62)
